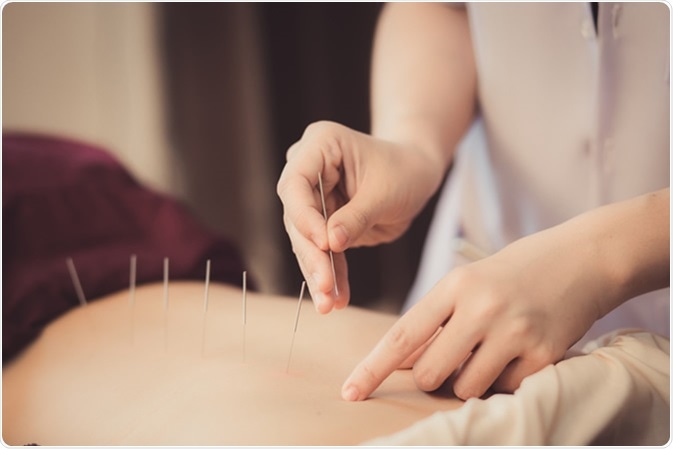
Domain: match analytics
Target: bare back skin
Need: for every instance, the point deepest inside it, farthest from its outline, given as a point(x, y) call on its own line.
point(114, 374)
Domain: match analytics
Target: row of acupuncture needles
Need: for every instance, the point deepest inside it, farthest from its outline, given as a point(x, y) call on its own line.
point(132, 288)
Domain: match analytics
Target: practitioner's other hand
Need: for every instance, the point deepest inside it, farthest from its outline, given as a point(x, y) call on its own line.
point(373, 190)
point(498, 320)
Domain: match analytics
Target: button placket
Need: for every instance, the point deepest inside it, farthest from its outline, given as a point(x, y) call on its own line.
point(587, 30)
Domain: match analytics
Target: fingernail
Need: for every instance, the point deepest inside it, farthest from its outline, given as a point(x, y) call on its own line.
point(350, 393)
point(340, 235)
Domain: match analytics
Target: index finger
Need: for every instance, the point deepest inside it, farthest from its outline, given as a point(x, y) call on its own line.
point(409, 333)
point(296, 189)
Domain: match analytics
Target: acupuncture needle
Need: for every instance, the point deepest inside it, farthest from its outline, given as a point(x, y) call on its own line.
point(75, 280)
point(78, 286)
point(205, 308)
point(244, 306)
point(296, 321)
point(324, 212)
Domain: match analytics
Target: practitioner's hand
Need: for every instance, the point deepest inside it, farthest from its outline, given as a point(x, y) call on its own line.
point(497, 320)
point(373, 190)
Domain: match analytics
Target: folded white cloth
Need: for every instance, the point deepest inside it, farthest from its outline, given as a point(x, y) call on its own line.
point(617, 391)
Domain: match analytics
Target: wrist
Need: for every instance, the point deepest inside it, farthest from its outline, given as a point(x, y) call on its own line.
point(422, 148)
point(630, 241)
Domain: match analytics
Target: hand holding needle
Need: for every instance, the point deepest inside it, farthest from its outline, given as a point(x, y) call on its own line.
point(324, 212)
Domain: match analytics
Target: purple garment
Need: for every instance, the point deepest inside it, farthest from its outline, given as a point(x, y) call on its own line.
point(62, 198)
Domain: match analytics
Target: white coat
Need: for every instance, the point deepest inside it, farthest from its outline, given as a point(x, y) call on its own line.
point(569, 120)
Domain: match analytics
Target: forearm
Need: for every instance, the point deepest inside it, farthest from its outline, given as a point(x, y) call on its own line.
point(631, 241)
point(423, 78)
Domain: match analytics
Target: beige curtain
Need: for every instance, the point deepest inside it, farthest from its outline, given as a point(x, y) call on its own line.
point(219, 128)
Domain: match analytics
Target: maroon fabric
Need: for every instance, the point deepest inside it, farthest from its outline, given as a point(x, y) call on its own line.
point(62, 198)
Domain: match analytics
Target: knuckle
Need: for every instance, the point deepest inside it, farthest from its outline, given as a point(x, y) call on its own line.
point(427, 378)
point(457, 279)
point(301, 220)
point(463, 276)
point(287, 223)
point(488, 306)
point(321, 128)
point(301, 257)
point(467, 282)
point(521, 329)
point(540, 349)
point(371, 376)
point(291, 151)
point(361, 218)
point(282, 186)
point(399, 340)
point(327, 137)
point(491, 307)
point(546, 352)
point(300, 254)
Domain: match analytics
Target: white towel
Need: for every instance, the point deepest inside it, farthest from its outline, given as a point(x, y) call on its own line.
point(617, 391)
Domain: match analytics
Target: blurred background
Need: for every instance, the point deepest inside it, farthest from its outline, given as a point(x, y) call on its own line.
point(201, 101)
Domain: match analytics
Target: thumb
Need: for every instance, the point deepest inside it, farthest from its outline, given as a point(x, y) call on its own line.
point(350, 222)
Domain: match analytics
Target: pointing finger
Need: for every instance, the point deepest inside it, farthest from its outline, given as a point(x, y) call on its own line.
point(409, 333)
